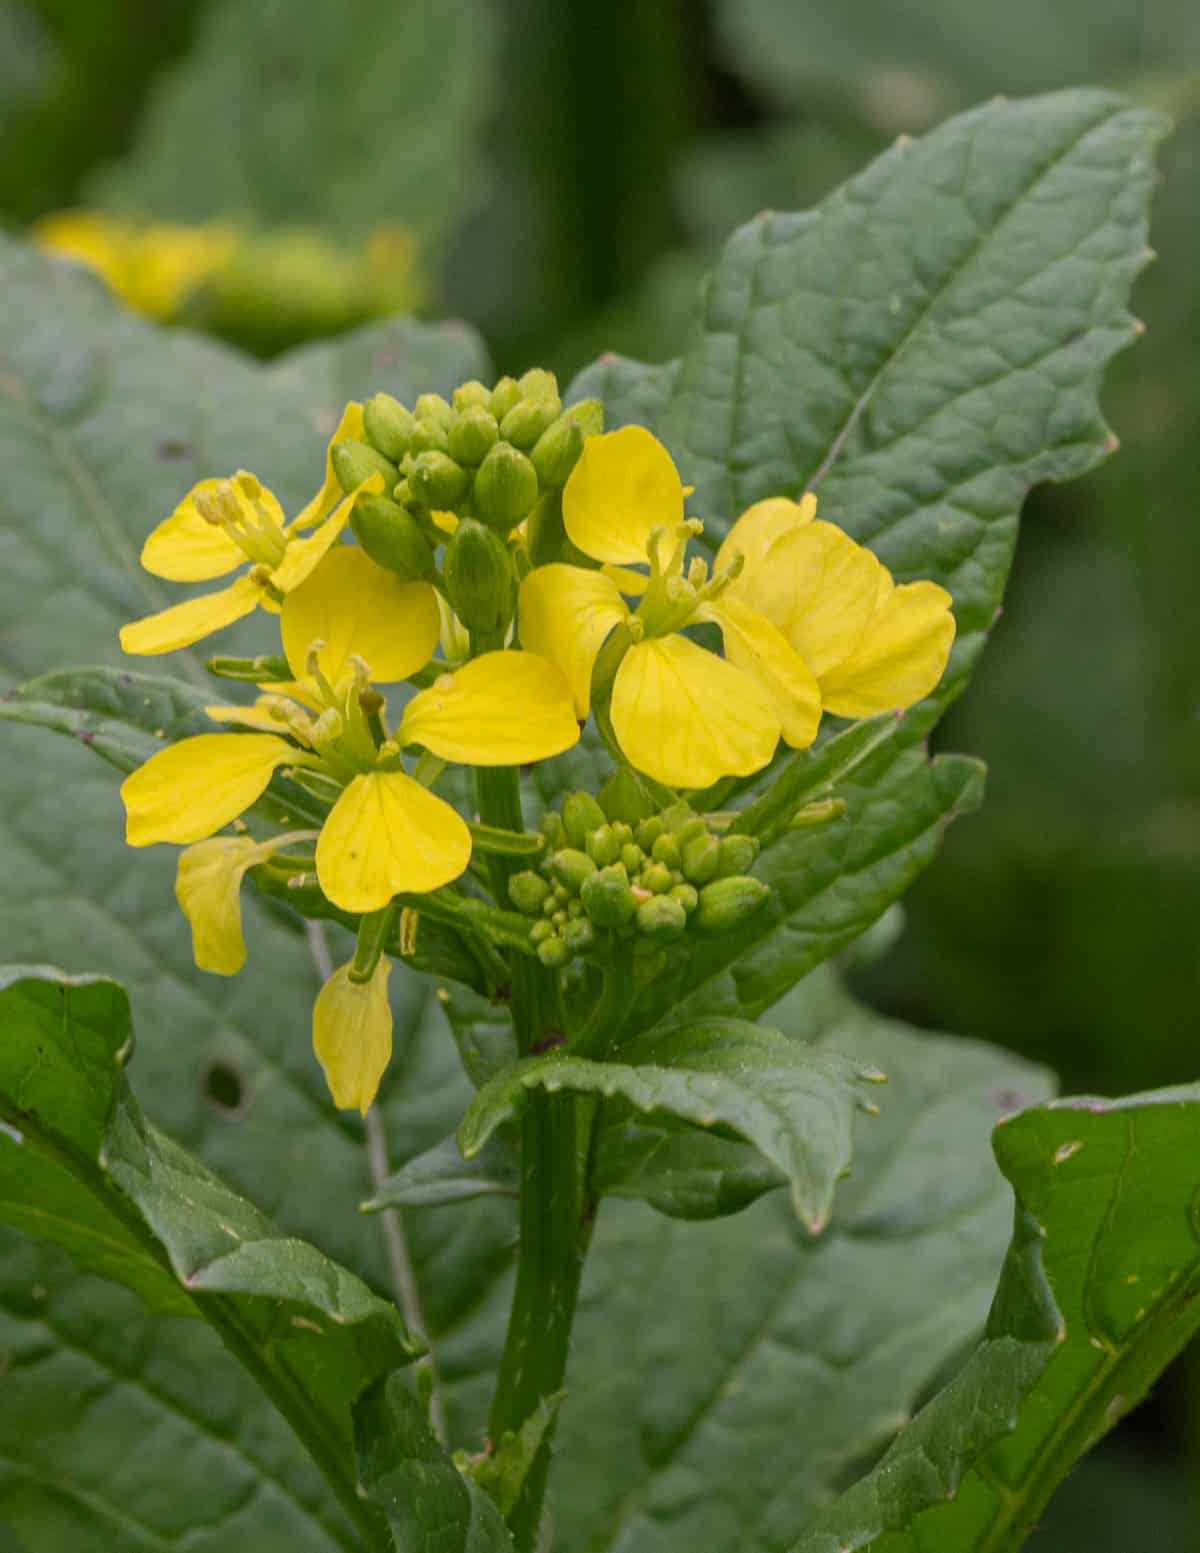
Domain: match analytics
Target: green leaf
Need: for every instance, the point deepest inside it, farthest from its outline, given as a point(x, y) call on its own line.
point(310, 1332)
point(431, 1506)
point(679, 1171)
point(794, 1103)
point(1099, 1293)
point(441, 1175)
point(242, 127)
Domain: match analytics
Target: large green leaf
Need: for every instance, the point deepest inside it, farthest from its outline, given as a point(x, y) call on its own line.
point(81, 1167)
point(1099, 1293)
point(243, 127)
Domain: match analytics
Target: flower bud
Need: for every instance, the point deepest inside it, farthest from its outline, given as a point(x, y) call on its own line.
point(666, 850)
point(571, 868)
point(579, 935)
point(432, 407)
point(662, 918)
point(727, 903)
point(538, 383)
point(648, 832)
point(528, 892)
point(687, 896)
point(435, 480)
point(391, 537)
point(555, 832)
point(656, 878)
point(623, 832)
point(467, 395)
point(624, 798)
point(607, 897)
point(472, 435)
point(506, 487)
point(429, 436)
point(354, 462)
point(602, 846)
point(581, 814)
point(505, 395)
point(540, 931)
point(700, 858)
point(679, 817)
point(632, 857)
point(480, 582)
point(545, 531)
point(552, 952)
point(527, 420)
point(738, 853)
point(388, 425)
point(557, 450)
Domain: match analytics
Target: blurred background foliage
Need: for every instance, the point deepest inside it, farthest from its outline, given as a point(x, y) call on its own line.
point(560, 176)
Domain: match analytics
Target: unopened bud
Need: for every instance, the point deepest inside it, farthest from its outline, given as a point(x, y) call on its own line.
point(388, 425)
point(661, 918)
point(680, 818)
point(557, 450)
point(624, 798)
point(432, 407)
point(607, 897)
point(472, 435)
point(571, 868)
point(354, 462)
point(819, 813)
point(505, 395)
point(552, 952)
point(555, 832)
point(581, 814)
point(506, 487)
point(632, 857)
point(467, 395)
point(528, 892)
point(666, 850)
point(391, 537)
point(602, 846)
point(538, 383)
point(656, 878)
point(738, 853)
point(579, 935)
point(540, 931)
point(429, 436)
point(435, 480)
point(648, 832)
point(527, 420)
point(480, 582)
point(700, 858)
point(686, 894)
point(727, 903)
point(545, 530)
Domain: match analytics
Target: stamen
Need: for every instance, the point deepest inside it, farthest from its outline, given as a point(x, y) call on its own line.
point(697, 572)
point(362, 672)
point(312, 667)
point(218, 506)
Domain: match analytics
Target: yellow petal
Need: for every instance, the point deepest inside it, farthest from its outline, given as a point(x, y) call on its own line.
point(262, 715)
point(187, 548)
point(352, 1035)
point(565, 615)
point(208, 882)
point(189, 790)
point(185, 623)
point(761, 525)
point(687, 718)
point(624, 485)
point(350, 426)
point(303, 554)
point(752, 643)
point(627, 580)
point(819, 587)
point(354, 606)
point(900, 658)
point(387, 834)
point(502, 709)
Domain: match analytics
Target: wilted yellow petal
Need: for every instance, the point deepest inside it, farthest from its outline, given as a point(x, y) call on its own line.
point(352, 1035)
point(752, 643)
point(565, 613)
point(819, 587)
point(187, 548)
point(901, 656)
point(354, 606)
point(761, 525)
point(624, 485)
point(350, 426)
point(189, 790)
point(502, 709)
point(387, 834)
point(687, 718)
point(208, 882)
point(185, 623)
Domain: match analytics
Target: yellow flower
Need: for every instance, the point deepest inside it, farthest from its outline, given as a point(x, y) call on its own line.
point(681, 714)
point(348, 622)
point(208, 880)
point(220, 525)
point(352, 1035)
point(152, 268)
point(873, 645)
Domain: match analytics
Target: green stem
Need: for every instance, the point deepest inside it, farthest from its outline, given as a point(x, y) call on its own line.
point(606, 1020)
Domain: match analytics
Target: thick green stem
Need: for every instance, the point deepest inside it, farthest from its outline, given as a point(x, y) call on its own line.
point(607, 1019)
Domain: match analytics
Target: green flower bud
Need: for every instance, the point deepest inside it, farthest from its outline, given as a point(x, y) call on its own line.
point(506, 487)
point(480, 582)
point(432, 407)
point(429, 436)
point(679, 816)
point(632, 857)
point(528, 892)
point(623, 832)
point(624, 798)
point(579, 935)
point(555, 832)
point(561, 893)
point(544, 533)
point(727, 903)
point(608, 899)
point(472, 435)
point(666, 850)
point(571, 868)
point(737, 855)
point(527, 420)
point(505, 395)
point(552, 952)
point(391, 537)
point(602, 846)
point(540, 931)
point(581, 814)
point(538, 383)
point(557, 450)
point(574, 908)
point(468, 395)
point(388, 425)
point(661, 918)
point(656, 878)
point(700, 858)
point(354, 462)
point(648, 832)
point(435, 480)
point(550, 905)
point(687, 896)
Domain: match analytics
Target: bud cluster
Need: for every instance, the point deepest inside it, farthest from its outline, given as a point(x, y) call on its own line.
point(615, 865)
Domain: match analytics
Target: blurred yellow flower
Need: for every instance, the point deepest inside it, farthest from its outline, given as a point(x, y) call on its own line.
point(154, 267)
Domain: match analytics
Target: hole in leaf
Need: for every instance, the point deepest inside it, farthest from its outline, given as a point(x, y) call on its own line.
point(225, 1089)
